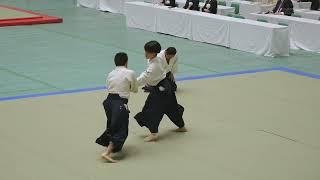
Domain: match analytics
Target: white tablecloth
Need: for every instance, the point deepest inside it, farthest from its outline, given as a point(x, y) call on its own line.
point(308, 14)
point(248, 7)
point(114, 6)
point(259, 38)
point(304, 33)
point(241, 34)
point(174, 22)
point(301, 5)
point(141, 15)
point(209, 30)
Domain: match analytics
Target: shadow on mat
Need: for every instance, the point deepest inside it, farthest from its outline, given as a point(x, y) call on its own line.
point(166, 135)
point(127, 152)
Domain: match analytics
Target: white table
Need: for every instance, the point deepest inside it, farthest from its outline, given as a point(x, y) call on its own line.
point(245, 35)
point(301, 5)
point(259, 38)
point(248, 7)
point(304, 33)
point(308, 14)
point(141, 15)
point(114, 6)
point(209, 28)
point(222, 10)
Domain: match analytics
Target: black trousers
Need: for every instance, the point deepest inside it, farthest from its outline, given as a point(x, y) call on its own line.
point(117, 122)
point(157, 105)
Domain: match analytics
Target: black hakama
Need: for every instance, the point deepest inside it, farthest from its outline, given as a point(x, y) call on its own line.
point(160, 103)
point(117, 122)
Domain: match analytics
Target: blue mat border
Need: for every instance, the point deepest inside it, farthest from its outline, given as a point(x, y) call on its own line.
point(283, 69)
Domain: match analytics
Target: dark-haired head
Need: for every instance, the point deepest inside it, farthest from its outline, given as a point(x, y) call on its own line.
point(121, 59)
point(152, 48)
point(171, 51)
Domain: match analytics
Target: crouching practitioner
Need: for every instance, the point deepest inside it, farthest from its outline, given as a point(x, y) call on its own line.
point(161, 99)
point(169, 59)
point(120, 82)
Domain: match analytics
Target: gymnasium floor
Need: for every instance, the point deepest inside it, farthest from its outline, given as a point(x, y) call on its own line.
point(250, 117)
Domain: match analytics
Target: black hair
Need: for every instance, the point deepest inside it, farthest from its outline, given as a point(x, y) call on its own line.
point(120, 59)
point(152, 47)
point(171, 51)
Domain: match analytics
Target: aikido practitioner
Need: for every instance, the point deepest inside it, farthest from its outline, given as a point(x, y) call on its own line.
point(192, 5)
point(210, 6)
point(120, 82)
point(161, 99)
point(169, 59)
point(171, 3)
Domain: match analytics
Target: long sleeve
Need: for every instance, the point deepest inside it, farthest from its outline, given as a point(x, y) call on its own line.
point(175, 68)
point(154, 74)
point(144, 77)
point(173, 65)
point(134, 83)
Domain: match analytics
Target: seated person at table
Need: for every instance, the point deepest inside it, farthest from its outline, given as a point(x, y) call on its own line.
point(283, 7)
point(192, 5)
point(210, 6)
point(171, 3)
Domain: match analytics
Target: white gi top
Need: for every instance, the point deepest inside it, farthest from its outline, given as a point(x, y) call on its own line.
point(122, 81)
point(172, 66)
point(154, 74)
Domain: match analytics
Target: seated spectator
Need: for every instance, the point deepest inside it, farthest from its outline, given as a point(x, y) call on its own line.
point(192, 5)
point(171, 3)
point(210, 6)
point(283, 7)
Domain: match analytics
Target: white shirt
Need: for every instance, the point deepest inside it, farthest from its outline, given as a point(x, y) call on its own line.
point(172, 66)
point(122, 81)
point(154, 74)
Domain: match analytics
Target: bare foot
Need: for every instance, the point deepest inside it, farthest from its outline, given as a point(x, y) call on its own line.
point(183, 129)
point(151, 138)
point(108, 158)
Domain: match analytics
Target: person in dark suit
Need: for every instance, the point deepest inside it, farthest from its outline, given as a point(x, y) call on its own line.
point(171, 3)
point(210, 6)
point(192, 5)
point(283, 7)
